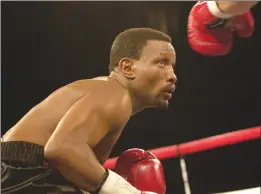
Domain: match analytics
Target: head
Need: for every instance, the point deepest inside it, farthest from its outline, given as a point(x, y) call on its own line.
point(145, 58)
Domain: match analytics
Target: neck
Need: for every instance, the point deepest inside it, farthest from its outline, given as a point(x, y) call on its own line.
point(135, 102)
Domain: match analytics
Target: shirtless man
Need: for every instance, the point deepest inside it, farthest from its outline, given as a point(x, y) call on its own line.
point(65, 139)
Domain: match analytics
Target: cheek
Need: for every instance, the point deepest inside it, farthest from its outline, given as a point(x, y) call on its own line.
point(151, 77)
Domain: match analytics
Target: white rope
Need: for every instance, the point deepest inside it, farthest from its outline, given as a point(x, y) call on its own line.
point(184, 175)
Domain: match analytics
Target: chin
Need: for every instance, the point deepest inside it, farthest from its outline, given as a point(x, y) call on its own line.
point(163, 105)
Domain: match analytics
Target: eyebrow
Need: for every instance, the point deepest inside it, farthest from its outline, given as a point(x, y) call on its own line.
point(163, 53)
point(166, 58)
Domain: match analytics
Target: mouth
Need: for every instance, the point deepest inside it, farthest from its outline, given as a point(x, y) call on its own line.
point(168, 91)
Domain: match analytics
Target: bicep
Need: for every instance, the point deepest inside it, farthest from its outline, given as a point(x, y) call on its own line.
point(84, 122)
point(108, 142)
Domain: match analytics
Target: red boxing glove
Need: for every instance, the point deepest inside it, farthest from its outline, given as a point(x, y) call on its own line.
point(142, 169)
point(115, 184)
point(243, 24)
point(211, 32)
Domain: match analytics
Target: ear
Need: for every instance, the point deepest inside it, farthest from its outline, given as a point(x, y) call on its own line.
point(126, 66)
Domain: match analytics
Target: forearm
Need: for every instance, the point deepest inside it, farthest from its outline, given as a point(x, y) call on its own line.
point(79, 165)
point(235, 7)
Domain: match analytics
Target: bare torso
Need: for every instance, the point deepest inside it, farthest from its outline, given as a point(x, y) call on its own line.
point(41, 121)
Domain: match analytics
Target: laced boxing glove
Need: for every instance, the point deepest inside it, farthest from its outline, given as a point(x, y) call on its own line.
point(136, 172)
point(142, 169)
point(211, 32)
point(115, 184)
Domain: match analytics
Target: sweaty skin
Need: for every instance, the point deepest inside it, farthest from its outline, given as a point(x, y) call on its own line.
point(108, 107)
point(79, 123)
point(39, 123)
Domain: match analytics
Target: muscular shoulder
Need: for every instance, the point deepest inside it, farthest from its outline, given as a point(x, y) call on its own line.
point(99, 95)
point(110, 103)
point(106, 97)
point(73, 91)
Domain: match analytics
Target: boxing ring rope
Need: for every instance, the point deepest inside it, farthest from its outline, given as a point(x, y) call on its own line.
point(201, 144)
point(198, 146)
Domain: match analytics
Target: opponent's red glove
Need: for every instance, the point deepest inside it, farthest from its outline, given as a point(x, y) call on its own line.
point(142, 169)
point(211, 32)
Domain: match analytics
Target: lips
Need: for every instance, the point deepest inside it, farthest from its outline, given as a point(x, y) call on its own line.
point(170, 89)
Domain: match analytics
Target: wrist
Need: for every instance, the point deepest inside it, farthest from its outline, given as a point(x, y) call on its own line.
point(216, 11)
point(115, 184)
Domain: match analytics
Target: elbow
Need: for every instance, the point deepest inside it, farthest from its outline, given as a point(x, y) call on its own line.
point(52, 153)
point(56, 152)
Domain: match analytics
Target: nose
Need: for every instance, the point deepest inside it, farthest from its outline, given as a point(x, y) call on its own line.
point(171, 77)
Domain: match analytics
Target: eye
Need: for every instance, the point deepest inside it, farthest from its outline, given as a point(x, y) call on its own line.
point(163, 62)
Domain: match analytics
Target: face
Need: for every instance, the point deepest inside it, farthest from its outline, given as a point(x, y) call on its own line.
point(154, 75)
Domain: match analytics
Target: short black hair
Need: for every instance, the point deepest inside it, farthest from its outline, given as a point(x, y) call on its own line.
point(130, 42)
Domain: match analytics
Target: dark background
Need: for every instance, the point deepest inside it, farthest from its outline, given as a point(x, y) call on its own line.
point(46, 45)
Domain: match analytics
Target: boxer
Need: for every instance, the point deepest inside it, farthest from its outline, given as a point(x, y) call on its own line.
point(59, 146)
point(212, 25)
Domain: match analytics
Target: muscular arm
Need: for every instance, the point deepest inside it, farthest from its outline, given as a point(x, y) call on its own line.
point(235, 7)
point(70, 147)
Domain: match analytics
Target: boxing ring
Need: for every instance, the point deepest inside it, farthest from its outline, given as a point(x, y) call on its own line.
point(200, 145)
